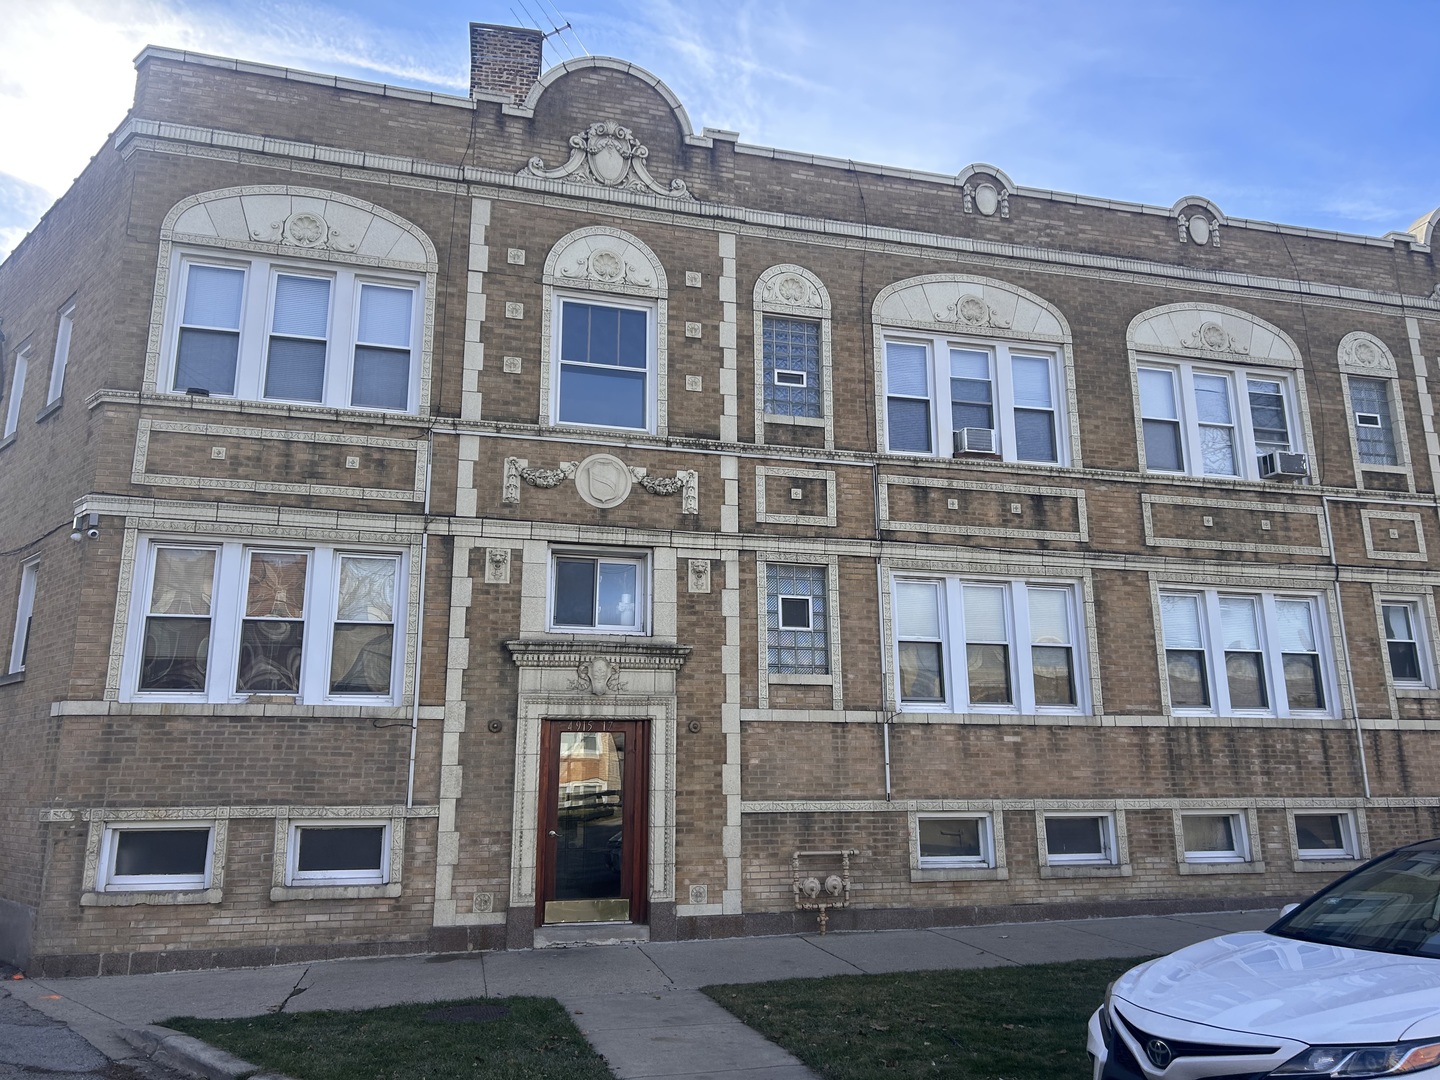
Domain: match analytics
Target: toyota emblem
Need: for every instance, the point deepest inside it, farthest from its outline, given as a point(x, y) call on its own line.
point(1159, 1053)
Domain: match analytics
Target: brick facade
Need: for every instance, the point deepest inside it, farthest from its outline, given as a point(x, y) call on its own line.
point(494, 212)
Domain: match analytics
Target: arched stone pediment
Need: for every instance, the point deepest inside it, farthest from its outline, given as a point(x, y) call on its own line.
point(1206, 331)
point(791, 289)
point(304, 222)
point(608, 260)
point(946, 303)
point(1365, 354)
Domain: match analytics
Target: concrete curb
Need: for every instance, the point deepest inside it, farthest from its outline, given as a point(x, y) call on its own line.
point(191, 1056)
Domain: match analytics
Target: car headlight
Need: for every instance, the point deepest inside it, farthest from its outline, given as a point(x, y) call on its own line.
point(1358, 1061)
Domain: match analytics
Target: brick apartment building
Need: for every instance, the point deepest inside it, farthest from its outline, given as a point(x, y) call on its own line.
point(435, 523)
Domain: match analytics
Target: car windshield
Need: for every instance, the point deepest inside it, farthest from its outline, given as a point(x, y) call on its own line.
point(1393, 906)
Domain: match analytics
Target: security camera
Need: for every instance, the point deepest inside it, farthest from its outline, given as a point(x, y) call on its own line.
point(92, 532)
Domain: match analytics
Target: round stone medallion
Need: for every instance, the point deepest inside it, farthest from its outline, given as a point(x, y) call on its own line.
point(987, 199)
point(603, 481)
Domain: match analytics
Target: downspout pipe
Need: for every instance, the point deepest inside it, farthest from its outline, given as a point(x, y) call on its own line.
point(1345, 646)
point(420, 624)
point(880, 629)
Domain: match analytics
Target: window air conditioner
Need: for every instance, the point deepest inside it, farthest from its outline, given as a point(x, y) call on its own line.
point(975, 440)
point(1279, 464)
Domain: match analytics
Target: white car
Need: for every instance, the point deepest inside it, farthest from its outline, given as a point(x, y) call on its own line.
point(1346, 985)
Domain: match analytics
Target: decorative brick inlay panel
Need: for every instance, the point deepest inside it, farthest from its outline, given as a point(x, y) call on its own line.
point(922, 504)
point(1232, 525)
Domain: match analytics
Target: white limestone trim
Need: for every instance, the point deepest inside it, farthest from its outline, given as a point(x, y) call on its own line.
point(765, 515)
point(280, 858)
point(211, 144)
point(1214, 334)
point(1152, 539)
point(1427, 641)
point(1253, 863)
point(808, 299)
point(298, 526)
point(1333, 660)
point(1424, 227)
point(991, 809)
point(1021, 721)
point(1356, 812)
point(1427, 403)
point(609, 63)
point(729, 357)
point(570, 268)
point(141, 474)
point(255, 219)
point(835, 678)
point(535, 708)
point(1080, 534)
point(1367, 522)
point(452, 774)
point(1039, 567)
point(1269, 802)
point(936, 304)
point(1198, 200)
point(101, 820)
point(731, 899)
point(473, 359)
point(1119, 866)
point(1390, 378)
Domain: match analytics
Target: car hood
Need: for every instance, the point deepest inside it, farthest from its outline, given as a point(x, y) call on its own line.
point(1288, 989)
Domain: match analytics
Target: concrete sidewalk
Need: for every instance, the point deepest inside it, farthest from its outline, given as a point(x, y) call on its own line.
point(639, 1005)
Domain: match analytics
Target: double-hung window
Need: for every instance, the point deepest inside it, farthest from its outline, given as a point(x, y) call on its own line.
point(221, 621)
point(797, 620)
point(791, 350)
point(1206, 421)
point(945, 396)
point(24, 614)
point(1374, 421)
point(17, 391)
point(282, 331)
point(62, 353)
point(603, 367)
point(595, 592)
point(990, 646)
point(1230, 654)
point(1405, 643)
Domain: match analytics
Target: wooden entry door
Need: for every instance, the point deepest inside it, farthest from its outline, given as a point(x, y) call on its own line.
point(594, 812)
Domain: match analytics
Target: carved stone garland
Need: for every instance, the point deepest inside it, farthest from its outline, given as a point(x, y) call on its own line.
point(602, 480)
point(608, 154)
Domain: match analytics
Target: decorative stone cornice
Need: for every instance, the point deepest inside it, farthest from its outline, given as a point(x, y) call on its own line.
point(622, 655)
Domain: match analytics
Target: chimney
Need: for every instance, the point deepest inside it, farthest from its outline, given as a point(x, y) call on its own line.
point(504, 59)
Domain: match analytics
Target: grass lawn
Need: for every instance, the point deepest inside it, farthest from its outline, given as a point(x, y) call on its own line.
point(537, 1041)
point(1004, 1023)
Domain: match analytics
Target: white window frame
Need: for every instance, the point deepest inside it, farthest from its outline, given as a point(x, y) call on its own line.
point(1420, 627)
point(1239, 829)
point(227, 613)
point(808, 601)
point(1108, 856)
point(17, 390)
point(63, 333)
point(644, 589)
point(107, 881)
point(1237, 378)
point(937, 349)
point(24, 610)
point(1019, 645)
point(256, 323)
point(1348, 826)
point(1271, 657)
point(984, 861)
point(557, 367)
point(297, 878)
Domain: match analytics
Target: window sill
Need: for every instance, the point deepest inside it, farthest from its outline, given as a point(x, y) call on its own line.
point(1222, 868)
point(796, 421)
point(962, 873)
point(1325, 866)
point(334, 892)
point(49, 410)
point(11, 678)
point(785, 678)
point(1085, 870)
point(134, 899)
point(9, 440)
point(1416, 692)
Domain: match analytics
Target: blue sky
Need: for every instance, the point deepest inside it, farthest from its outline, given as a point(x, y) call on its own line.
point(1318, 113)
